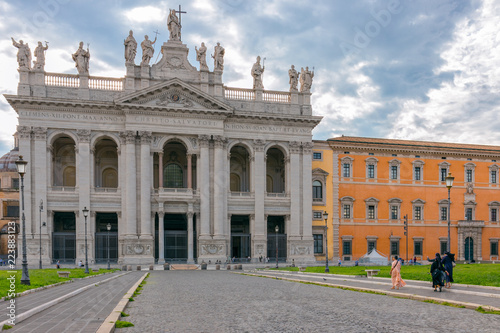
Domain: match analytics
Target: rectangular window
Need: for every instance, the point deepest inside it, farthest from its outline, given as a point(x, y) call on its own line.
point(371, 212)
point(418, 213)
point(394, 212)
point(468, 214)
point(443, 247)
point(347, 211)
point(394, 248)
point(11, 210)
point(316, 156)
point(417, 248)
point(394, 172)
point(493, 214)
point(372, 245)
point(444, 213)
point(318, 243)
point(371, 171)
point(417, 173)
point(494, 248)
point(493, 177)
point(347, 170)
point(469, 175)
point(15, 183)
point(347, 247)
point(443, 174)
point(318, 215)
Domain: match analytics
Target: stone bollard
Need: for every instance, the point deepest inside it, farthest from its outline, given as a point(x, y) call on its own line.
point(217, 267)
point(129, 267)
point(138, 267)
point(124, 268)
point(240, 267)
point(203, 265)
point(228, 267)
point(235, 267)
point(166, 266)
point(151, 267)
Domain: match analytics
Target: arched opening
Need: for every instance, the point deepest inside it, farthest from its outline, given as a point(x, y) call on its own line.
point(64, 162)
point(174, 166)
point(317, 190)
point(239, 169)
point(275, 171)
point(469, 249)
point(106, 163)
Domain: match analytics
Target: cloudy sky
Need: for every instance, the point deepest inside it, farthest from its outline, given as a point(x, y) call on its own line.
point(423, 70)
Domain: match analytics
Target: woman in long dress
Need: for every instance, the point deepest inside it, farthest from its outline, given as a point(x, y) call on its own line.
point(397, 281)
point(448, 261)
point(437, 272)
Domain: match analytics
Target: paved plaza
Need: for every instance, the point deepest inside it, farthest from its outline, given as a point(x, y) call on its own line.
point(220, 301)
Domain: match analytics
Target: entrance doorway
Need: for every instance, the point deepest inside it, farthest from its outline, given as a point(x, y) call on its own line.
point(469, 249)
point(240, 237)
point(63, 237)
point(105, 240)
point(274, 238)
point(175, 237)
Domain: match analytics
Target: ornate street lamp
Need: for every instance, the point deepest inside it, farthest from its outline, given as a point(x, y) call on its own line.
point(85, 214)
point(21, 169)
point(325, 216)
point(449, 183)
point(41, 210)
point(276, 232)
point(108, 227)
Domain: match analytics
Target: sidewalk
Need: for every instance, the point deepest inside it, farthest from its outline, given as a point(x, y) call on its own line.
point(463, 295)
point(80, 306)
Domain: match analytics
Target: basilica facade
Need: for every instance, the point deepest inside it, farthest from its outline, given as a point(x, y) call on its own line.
point(171, 164)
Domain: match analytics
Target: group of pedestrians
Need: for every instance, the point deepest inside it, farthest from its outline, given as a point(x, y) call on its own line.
point(441, 271)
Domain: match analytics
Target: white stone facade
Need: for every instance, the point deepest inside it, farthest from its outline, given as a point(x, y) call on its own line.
point(220, 166)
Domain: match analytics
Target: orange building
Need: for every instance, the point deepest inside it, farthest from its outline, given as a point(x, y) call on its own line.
point(372, 184)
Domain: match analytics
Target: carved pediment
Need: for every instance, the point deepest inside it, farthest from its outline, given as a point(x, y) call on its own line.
point(174, 94)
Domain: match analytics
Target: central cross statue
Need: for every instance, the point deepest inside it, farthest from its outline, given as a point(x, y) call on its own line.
point(174, 23)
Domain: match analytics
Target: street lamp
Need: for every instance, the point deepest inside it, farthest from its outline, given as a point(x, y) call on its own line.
point(276, 231)
point(449, 183)
point(21, 169)
point(85, 214)
point(41, 210)
point(108, 227)
point(325, 216)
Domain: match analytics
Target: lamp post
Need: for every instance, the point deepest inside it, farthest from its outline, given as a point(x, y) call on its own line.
point(325, 216)
point(85, 214)
point(40, 249)
point(276, 232)
point(449, 183)
point(21, 169)
point(108, 227)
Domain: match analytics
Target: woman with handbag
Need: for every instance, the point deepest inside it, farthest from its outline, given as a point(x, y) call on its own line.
point(396, 279)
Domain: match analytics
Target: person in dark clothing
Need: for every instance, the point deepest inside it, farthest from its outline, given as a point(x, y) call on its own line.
point(437, 272)
point(448, 261)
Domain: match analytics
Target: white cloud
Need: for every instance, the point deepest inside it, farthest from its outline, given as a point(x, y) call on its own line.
point(146, 14)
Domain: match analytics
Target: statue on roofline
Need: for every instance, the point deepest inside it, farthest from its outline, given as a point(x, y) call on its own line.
point(306, 77)
point(218, 57)
point(23, 54)
point(81, 59)
point(173, 25)
point(130, 48)
point(147, 50)
point(39, 53)
point(294, 79)
point(257, 73)
point(201, 56)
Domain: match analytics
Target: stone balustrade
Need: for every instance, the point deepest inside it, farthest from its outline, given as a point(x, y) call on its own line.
point(62, 80)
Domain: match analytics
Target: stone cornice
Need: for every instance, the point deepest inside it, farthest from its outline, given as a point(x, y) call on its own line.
point(277, 119)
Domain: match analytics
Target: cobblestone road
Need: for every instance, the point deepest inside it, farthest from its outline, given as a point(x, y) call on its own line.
point(218, 301)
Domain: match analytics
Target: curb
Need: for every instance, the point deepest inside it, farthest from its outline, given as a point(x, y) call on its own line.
point(108, 326)
point(40, 308)
point(467, 305)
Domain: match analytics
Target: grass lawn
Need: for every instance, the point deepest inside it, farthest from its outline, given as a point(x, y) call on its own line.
point(476, 274)
point(42, 277)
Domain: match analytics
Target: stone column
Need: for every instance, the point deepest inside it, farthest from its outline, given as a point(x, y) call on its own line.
point(130, 208)
point(306, 231)
point(259, 185)
point(40, 174)
point(160, 170)
point(83, 183)
point(295, 193)
point(204, 185)
point(30, 205)
point(190, 237)
point(146, 162)
point(161, 238)
point(220, 191)
point(189, 171)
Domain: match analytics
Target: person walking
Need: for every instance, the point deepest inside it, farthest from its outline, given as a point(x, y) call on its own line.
point(396, 279)
point(437, 272)
point(448, 263)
